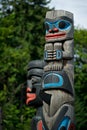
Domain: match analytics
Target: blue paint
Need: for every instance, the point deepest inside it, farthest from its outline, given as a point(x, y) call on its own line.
point(54, 84)
point(45, 55)
point(56, 25)
point(58, 54)
point(43, 128)
point(65, 123)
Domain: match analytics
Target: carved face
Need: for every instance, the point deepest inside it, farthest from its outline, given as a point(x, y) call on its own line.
point(58, 29)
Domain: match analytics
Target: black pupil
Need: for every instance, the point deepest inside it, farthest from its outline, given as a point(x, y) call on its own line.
point(62, 25)
point(47, 26)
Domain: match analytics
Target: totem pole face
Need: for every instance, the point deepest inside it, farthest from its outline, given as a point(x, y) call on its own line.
point(59, 25)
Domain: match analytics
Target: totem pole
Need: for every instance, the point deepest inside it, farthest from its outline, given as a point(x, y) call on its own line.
point(55, 84)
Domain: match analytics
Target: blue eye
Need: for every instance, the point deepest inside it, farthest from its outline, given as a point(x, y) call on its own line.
point(63, 25)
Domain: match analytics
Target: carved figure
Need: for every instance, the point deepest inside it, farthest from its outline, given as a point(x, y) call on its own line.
point(56, 93)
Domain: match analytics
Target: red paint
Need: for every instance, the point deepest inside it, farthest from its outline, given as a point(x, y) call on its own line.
point(39, 125)
point(29, 96)
point(57, 35)
point(28, 90)
point(53, 30)
point(71, 127)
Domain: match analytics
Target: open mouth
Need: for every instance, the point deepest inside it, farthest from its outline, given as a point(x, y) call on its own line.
point(53, 36)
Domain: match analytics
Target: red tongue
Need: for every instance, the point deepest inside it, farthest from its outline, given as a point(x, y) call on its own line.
point(30, 97)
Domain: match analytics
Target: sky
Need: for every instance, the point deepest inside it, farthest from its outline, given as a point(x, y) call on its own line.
point(77, 7)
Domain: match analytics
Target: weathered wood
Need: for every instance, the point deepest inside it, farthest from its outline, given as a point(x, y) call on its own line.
point(55, 85)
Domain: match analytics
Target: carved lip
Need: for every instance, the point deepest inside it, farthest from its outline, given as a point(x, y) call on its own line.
point(57, 35)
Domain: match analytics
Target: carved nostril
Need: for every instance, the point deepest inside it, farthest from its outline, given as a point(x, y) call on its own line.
point(55, 29)
point(50, 31)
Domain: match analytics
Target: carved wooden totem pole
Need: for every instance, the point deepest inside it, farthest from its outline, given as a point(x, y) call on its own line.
point(51, 81)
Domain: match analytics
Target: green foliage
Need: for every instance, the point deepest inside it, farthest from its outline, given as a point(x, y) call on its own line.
point(81, 37)
point(16, 118)
point(21, 40)
point(81, 78)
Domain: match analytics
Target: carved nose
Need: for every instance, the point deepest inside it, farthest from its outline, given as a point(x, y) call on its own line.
point(53, 30)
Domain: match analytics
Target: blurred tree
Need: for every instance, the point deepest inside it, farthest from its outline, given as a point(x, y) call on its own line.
point(81, 78)
point(21, 40)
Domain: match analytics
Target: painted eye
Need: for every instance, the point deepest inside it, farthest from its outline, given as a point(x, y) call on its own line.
point(64, 25)
point(46, 26)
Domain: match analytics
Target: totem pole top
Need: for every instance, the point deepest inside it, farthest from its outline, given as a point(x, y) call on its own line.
point(54, 14)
